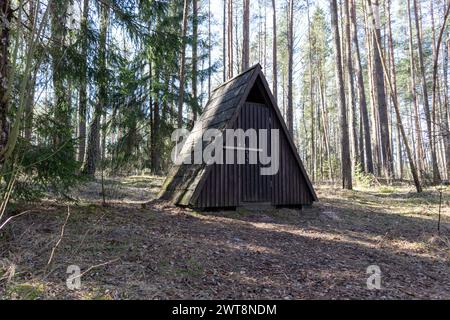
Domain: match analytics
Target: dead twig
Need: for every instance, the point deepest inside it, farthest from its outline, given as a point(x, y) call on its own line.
point(440, 207)
point(7, 195)
point(96, 266)
point(60, 237)
point(12, 217)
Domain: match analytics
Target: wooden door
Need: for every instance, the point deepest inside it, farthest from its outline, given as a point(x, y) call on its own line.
point(254, 186)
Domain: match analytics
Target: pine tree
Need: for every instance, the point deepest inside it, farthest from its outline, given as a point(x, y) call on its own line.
point(345, 146)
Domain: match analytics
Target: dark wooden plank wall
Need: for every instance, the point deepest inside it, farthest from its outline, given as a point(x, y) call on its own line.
point(231, 185)
point(255, 187)
point(289, 185)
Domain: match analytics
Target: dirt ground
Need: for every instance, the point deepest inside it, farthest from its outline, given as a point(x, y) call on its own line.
point(132, 250)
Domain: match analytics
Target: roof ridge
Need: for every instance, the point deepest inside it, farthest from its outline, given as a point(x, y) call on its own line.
point(238, 76)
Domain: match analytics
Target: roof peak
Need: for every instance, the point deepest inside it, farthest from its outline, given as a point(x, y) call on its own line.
point(255, 66)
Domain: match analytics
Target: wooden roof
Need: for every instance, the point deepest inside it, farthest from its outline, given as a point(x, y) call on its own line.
point(184, 182)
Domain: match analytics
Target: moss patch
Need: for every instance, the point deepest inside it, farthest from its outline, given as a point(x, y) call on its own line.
point(25, 291)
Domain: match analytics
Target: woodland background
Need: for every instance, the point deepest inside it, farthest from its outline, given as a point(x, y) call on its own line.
point(100, 84)
point(91, 91)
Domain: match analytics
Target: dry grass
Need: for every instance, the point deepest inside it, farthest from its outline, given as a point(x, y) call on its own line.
point(158, 251)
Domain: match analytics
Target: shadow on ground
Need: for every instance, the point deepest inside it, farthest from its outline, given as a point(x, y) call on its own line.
point(162, 252)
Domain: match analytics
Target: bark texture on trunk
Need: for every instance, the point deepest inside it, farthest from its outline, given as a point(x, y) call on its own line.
point(93, 152)
point(380, 90)
point(224, 41)
point(230, 50)
point(195, 105)
point(362, 98)
point(246, 36)
point(58, 11)
point(397, 112)
point(5, 20)
point(182, 62)
point(290, 107)
point(82, 103)
point(274, 52)
point(345, 147)
point(420, 155)
point(351, 85)
point(426, 103)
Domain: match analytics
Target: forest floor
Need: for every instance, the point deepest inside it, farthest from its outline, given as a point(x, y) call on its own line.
point(133, 250)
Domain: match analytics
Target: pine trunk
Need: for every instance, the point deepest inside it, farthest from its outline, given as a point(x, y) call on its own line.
point(182, 62)
point(351, 85)
point(444, 108)
point(393, 71)
point(426, 103)
point(290, 111)
point(274, 52)
point(93, 152)
point(435, 78)
point(224, 41)
point(209, 48)
point(380, 90)
point(5, 22)
point(230, 40)
point(365, 123)
point(82, 104)
point(246, 36)
point(61, 111)
point(345, 150)
point(397, 112)
point(195, 105)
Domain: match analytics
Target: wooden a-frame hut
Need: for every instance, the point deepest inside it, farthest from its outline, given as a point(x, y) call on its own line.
point(243, 102)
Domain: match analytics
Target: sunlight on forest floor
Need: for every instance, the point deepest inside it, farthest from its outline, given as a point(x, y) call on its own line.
point(138, 249)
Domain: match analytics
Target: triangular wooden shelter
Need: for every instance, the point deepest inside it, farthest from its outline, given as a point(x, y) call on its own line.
point(243, 102)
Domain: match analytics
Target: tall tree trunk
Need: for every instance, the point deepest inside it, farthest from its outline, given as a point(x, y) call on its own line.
point(444, 108)
point(265, 36)
point(426, 103)
point(259, 39)
point(32, 76)
point(362, 98)
point(29, 107)
point(236, 59)
point(5, 23)
point(82, 104)
point(393, 71)
point(183, 62)
point(246, 36)
point(290, 36)
point(397, 112)
point(58, 11)
point(230, 40)
point(224, 41)
point(274, 52)
point(156, 128)
point(209, 48)
point(435, 71)
point(93, 152)
point(420, 155)
point(311, 98)
point(374, 114)
point(345, 150)
point(325, 125)
point(380, 90)
point(400, 153)
point(195, 105)
point(351, 85)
